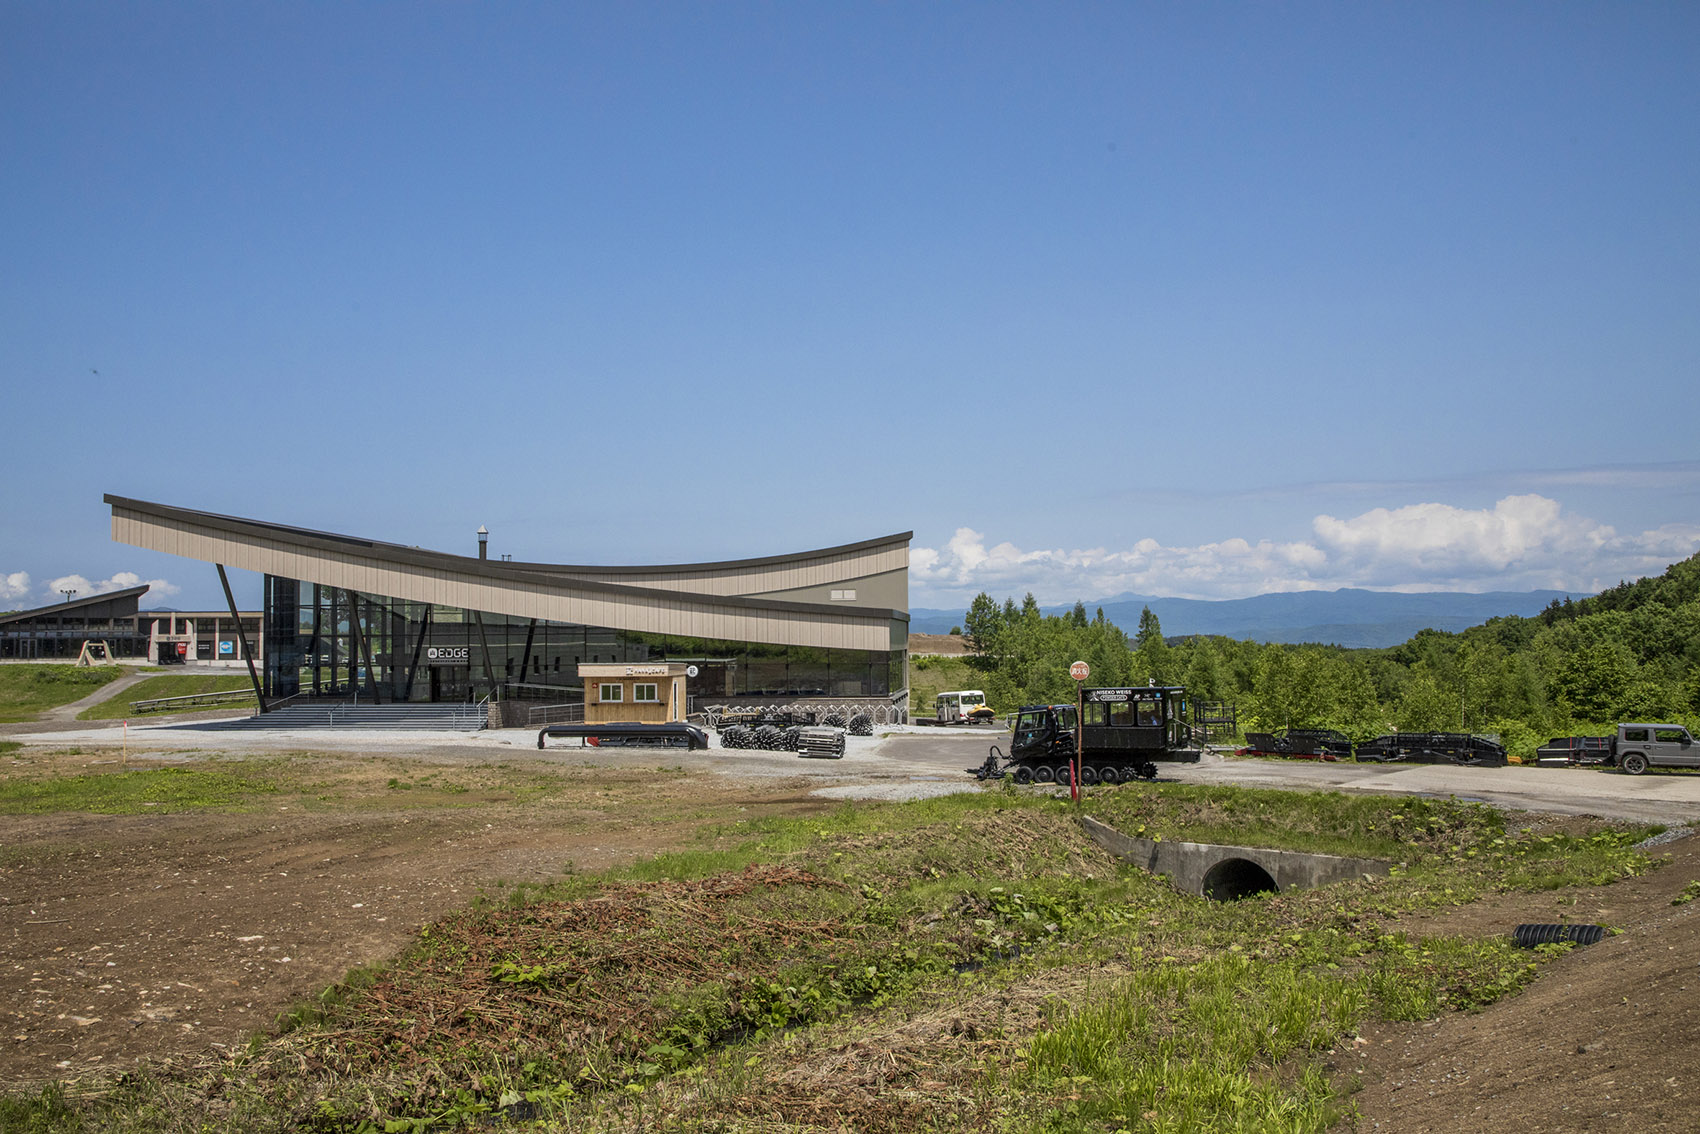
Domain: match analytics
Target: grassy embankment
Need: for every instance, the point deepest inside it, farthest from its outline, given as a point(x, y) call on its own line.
point(172, 685)
point(27, 691)
point(970, 962)
point(930, 676)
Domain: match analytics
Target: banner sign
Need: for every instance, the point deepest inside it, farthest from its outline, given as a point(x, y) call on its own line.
point(1120, 694)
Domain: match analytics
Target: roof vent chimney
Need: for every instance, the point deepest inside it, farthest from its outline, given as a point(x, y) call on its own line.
point(483, 542)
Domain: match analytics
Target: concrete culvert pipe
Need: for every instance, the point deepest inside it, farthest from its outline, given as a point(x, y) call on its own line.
point(1236, 878)
point(1529, 935)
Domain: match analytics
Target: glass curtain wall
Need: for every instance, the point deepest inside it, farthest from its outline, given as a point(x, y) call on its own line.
point(330, 642)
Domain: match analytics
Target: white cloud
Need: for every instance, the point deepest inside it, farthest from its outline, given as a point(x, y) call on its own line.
point(1521, 543)
point(14, 586)
point(123, 580)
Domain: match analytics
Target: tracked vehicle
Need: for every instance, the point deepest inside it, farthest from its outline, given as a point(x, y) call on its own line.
point(1126, 733)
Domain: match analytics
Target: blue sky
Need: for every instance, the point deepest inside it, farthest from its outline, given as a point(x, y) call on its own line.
point(1201, 300)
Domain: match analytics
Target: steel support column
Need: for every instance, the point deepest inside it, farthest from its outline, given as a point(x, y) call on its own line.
point(242, 636)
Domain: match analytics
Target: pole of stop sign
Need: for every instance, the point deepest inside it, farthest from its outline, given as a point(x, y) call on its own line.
point(1080, 671)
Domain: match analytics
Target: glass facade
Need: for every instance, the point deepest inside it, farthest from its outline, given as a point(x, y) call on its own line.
point(329, 641)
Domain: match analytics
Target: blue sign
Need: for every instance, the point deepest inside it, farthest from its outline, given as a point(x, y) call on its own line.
point(226, 648)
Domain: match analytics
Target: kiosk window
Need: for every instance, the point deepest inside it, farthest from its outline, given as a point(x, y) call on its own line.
point(608, 693)
point(646, 693)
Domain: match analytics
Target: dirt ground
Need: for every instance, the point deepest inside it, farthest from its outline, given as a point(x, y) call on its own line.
point(152, 936)
point(947, 645)
point(1606, 1038)
point(149, 936)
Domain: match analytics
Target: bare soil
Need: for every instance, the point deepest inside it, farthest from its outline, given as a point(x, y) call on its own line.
point(1607, 1038)
point(124, 937)
point(946, 645)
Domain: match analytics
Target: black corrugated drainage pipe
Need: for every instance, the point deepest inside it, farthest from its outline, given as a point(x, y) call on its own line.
point(1529, 935)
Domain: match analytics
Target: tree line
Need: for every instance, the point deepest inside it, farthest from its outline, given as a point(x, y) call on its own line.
point(1629, 653)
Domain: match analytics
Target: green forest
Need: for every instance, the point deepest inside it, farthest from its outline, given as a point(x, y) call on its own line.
point(1629, 653)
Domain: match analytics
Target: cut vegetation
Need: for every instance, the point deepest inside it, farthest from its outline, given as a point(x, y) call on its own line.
point(969, 962)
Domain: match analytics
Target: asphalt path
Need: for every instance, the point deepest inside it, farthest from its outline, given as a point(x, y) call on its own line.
point(914, 762)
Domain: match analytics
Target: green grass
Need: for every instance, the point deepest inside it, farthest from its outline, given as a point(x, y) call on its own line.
point(39, 783)
point(169, 685)
point(221, 787)
point(969, 962)
point(27, 691)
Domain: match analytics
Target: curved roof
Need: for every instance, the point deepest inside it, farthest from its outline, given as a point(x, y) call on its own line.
point(841, 597)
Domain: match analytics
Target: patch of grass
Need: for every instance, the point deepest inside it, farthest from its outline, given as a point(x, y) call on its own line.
point(219, 787)
point(169, 685)
point(27, 691)
point(7, 747)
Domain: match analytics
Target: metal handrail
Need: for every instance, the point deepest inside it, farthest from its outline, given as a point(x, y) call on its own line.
point(570, 712)
point(151, 703)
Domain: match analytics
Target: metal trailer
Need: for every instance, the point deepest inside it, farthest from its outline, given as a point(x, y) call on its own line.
point(1126, 733)
point(1573, 750)
point(1433, 748)
point(1303, 743)
point(629, 733)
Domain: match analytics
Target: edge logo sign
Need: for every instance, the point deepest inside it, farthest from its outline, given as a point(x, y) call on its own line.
point(448, 655)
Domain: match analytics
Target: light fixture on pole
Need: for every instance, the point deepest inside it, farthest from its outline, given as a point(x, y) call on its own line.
point(67, 594)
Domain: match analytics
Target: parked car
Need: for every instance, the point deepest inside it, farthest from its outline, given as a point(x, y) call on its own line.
point(1637, 747)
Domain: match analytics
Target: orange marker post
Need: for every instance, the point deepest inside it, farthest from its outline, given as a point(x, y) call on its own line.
point(1080, 671)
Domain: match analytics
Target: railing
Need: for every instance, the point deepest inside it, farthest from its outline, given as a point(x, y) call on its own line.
point(571, 713)
point(211, 700)
point(536, 691)
point(894, 711)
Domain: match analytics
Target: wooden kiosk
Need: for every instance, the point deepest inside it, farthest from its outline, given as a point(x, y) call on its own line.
point(644, 692)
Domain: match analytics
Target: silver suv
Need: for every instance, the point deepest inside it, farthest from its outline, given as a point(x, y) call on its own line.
point(1638, 747)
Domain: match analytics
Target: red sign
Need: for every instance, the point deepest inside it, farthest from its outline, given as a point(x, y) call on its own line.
point(182, 649)
point(1080, 671)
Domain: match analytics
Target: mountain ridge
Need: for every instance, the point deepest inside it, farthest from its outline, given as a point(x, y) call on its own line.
point(1348, 616)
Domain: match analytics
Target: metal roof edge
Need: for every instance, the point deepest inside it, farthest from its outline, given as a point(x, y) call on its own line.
point(74, 604)
point(496, 569)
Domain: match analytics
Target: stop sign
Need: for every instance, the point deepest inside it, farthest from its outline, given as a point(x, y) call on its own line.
point(1080, 671)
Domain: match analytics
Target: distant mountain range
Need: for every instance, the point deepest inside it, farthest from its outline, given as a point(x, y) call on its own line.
point(1346, 617)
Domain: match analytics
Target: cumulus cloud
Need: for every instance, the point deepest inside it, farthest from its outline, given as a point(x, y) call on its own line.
point(1521, 543)
point(14, 586)
point(123, 580)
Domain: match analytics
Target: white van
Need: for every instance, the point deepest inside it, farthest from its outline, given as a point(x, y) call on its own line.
point(963, 705)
